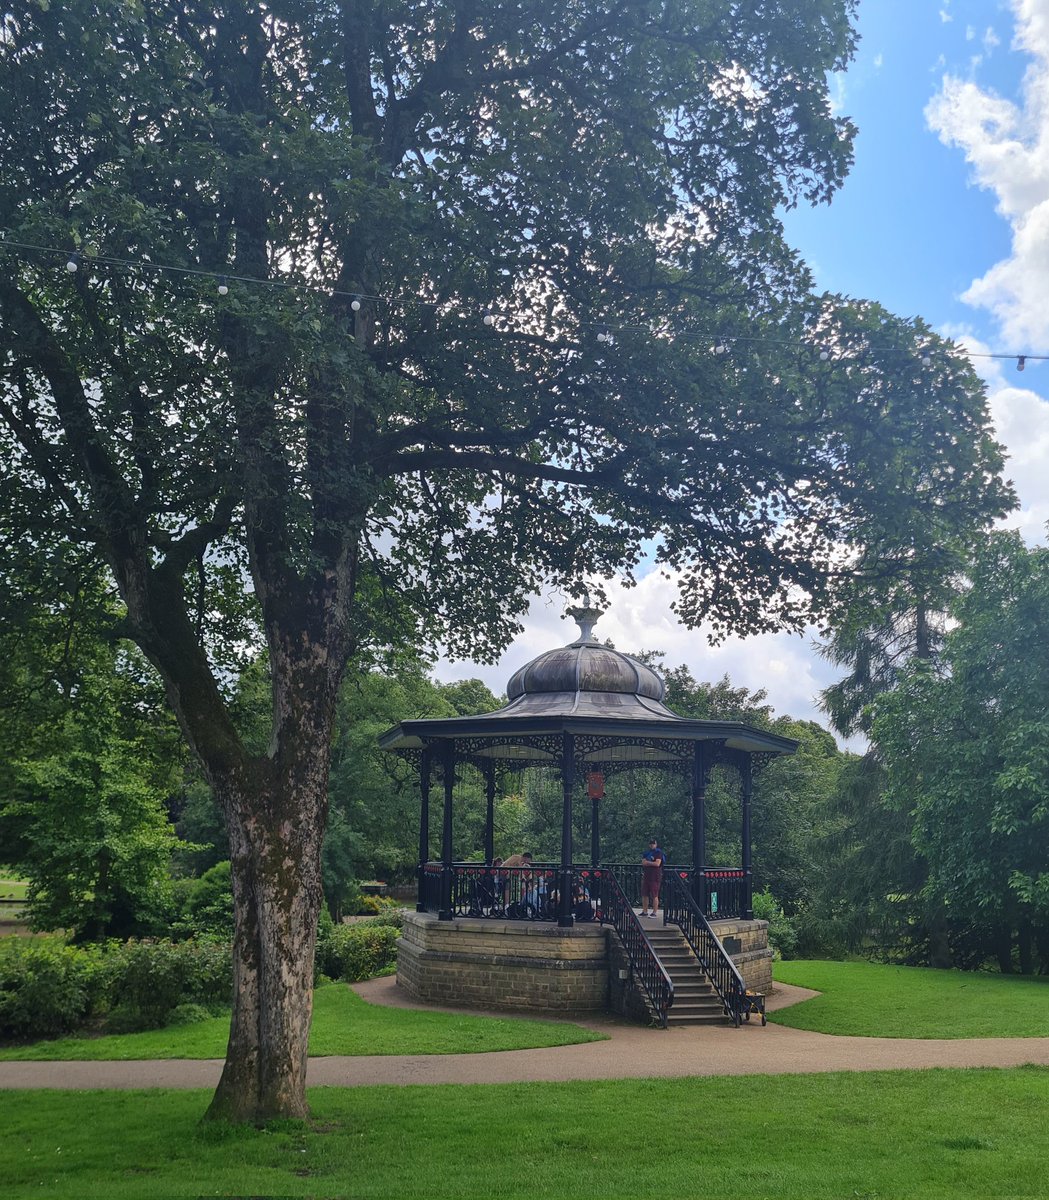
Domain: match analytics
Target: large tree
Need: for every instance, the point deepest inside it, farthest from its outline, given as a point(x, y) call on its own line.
point(480, 261)
point(966, 749)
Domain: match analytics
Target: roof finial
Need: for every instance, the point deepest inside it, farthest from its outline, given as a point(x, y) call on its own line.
point(586, 615)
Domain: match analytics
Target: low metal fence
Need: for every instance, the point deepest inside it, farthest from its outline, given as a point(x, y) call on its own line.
point(508, 893)
point(531, 893)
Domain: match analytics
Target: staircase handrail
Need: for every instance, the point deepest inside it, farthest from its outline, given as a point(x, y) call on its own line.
point(681, 910)
point(615, 910)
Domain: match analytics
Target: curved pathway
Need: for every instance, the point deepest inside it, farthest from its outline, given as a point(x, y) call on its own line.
point(631, 1052)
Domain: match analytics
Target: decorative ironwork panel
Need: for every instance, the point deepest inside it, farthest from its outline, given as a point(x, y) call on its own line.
point(593, 743)
point(617, 766)
point(759, 760)
point(546, 743)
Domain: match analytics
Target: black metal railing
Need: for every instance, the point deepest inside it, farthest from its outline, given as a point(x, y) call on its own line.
point(529, 893)
point(431, 880)
point(615, 909)
point(505, 893)
point(681, 910)
point(723, 892)
point(719, 891)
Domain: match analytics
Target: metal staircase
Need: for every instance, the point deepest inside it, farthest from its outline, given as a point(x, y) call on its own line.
point(695, 1000)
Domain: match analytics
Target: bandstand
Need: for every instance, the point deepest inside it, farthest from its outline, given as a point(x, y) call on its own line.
point(512, 937)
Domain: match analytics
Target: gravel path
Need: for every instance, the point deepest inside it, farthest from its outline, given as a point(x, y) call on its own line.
point(631, 1052)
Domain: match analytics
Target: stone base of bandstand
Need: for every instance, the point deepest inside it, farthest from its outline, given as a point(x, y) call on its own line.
point(478, 963)
point(747, 942)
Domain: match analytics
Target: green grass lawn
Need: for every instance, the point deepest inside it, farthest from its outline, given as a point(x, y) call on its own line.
point(927, 1134)
point(12, 889)
point(872, 1000)
point(342, 1024)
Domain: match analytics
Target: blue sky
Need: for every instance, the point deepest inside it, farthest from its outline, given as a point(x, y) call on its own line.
point(944, 215)
point(907, 228)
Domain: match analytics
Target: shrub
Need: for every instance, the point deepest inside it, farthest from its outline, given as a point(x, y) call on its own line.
point(47, 988)
point(782, 937)
point(354, 952)
point(391, 914)
point(190, 1014)
point(206, 906)
point(150, 980)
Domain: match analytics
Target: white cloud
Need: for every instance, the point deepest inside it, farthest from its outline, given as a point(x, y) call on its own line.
point(837, 93)
point(945, 14)
point(1021, 423)
point(990, 39)
point(1007, 146)
point(879, 61)
point(1021, 419)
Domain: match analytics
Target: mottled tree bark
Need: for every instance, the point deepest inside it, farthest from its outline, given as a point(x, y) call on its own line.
point(276, 812)
point(275, 853)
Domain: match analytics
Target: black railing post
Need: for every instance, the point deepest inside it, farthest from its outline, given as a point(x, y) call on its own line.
point(447, 911)
point(746, 781)
point(699, 825)
point(564, 899)
point(489, 813)
point(424, 827)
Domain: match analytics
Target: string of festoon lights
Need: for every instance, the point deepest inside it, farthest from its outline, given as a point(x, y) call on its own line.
point(75, 261)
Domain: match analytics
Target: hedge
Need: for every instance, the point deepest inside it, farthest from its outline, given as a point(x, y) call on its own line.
point(48, 987)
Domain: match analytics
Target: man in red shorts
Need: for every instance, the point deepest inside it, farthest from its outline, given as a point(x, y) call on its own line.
point(651, 878)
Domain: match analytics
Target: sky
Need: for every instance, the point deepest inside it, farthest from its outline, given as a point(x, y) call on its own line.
point(944, 215)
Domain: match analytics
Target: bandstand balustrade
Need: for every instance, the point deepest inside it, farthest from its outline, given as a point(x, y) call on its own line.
point(529, 893)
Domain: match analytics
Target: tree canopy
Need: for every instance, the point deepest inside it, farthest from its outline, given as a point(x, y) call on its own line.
point(965, 748)
point(384, 314)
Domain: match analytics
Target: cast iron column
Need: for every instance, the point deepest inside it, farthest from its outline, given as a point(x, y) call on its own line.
point(699, 825)
point(564, 908)
point(746, 787)
point(446, 912)
point(489, 816)
point(595, 832)
point(424, 827)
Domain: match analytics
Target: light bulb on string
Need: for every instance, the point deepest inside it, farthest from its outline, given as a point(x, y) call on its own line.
point(1021, 362)
point(355, 304)
point(223, 286)
point(721, 348)
point(926, 357)
point(603, 335)
point(489, 318)
point(73, 264)
point(824, 354)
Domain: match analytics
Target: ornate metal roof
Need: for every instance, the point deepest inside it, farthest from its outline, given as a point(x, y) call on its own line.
point(612, 703)
point(586, 666)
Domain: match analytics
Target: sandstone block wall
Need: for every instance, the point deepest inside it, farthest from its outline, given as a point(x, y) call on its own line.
point(504, 964)
point(748, 944)
point(521, 965)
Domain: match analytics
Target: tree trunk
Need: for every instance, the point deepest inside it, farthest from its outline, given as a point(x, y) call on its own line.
point(939, 938)
point(1003, 950)
point(275, 839)
point(1025, 944)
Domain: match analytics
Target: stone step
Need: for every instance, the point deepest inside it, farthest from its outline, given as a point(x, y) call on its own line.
point(685, 971)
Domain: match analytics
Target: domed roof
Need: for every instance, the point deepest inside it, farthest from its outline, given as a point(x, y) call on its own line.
point(586, 666)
